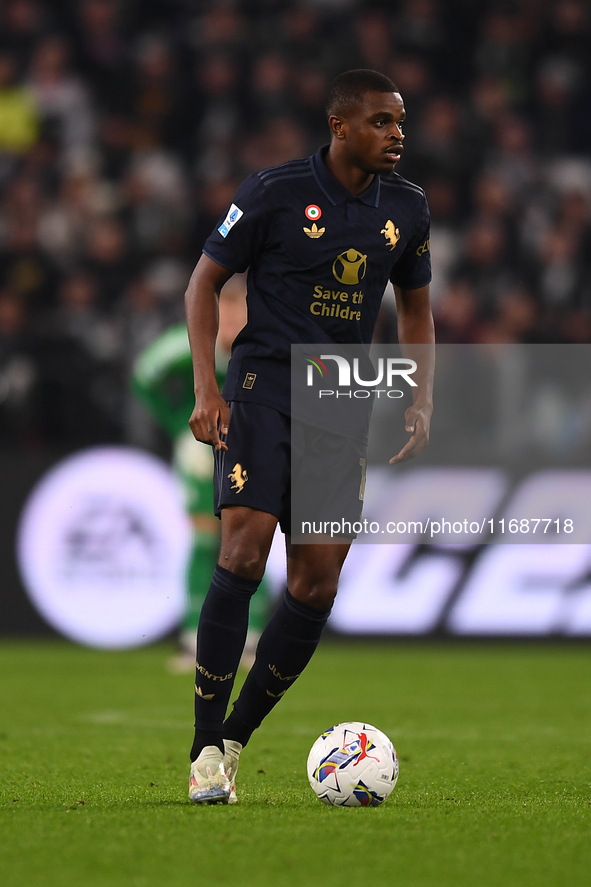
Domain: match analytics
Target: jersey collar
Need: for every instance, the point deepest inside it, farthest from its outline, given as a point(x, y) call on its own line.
point(333, 189)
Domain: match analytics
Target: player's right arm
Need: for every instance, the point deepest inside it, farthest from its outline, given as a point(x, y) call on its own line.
point(211, 414)
point(233, 245)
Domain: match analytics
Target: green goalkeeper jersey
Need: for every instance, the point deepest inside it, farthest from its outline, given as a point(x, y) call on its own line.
point(162, 378)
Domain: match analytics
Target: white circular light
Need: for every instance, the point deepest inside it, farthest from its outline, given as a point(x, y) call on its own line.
point(102, 547)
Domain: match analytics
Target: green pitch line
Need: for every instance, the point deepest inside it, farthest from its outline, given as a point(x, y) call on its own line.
point(494, 786)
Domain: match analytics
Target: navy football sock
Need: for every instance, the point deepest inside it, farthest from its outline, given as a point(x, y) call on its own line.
point(220, 641)
point(285, 648)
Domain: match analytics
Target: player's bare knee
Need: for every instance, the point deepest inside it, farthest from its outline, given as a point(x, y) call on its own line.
point(249, 563)
point(322, 600)
point(320, 594)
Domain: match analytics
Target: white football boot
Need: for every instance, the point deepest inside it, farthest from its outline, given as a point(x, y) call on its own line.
point(231, 759)
point(209, 782)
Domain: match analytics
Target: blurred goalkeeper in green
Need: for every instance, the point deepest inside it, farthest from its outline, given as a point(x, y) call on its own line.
point(163, 380)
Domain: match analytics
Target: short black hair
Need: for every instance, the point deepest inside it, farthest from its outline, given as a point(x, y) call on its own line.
point(349, 89)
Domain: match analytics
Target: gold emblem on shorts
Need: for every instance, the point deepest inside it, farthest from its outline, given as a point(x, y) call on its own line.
point(391, 234)
point(314, 232)
point(239, 476)
point(249, 380)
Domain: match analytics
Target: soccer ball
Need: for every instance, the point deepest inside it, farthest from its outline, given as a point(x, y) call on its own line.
point(353, 765)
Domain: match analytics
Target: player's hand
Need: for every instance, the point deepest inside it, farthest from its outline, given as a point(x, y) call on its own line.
point(209, 419)
point(417, 422)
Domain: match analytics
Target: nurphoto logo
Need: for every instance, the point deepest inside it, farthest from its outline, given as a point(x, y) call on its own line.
point(387, 370)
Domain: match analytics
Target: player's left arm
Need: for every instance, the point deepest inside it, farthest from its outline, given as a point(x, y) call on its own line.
point(416, 334)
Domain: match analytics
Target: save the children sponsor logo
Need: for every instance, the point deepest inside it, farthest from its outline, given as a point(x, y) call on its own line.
point(350, 267)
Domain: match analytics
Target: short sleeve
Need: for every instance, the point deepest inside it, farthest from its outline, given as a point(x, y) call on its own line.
point(241, 233)
point(413, 269)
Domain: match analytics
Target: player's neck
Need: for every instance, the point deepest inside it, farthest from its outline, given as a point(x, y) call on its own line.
point(353, 178)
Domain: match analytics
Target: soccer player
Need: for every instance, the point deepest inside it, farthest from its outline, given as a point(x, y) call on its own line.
point(162, 379)
point(339, 219)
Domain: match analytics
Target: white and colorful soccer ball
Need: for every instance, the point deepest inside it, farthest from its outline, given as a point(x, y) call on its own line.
point(353, 765)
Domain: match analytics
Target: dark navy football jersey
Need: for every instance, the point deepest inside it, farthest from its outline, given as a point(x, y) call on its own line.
point(318, 262)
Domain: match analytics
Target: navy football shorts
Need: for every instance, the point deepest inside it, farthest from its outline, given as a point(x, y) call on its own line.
point(260, 469)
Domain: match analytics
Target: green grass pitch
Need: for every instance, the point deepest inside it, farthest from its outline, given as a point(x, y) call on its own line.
point(494, 744)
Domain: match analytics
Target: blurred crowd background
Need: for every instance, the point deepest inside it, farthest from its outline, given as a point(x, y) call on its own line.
point(126, 125)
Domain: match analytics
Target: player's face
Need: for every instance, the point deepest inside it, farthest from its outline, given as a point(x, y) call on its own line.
point(373, 132)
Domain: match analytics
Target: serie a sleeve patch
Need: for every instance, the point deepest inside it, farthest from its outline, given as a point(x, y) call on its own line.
point(234, 214)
